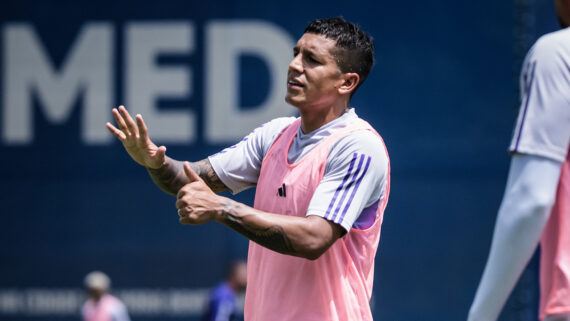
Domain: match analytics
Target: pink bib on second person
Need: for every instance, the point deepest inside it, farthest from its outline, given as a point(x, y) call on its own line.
point(555, 251)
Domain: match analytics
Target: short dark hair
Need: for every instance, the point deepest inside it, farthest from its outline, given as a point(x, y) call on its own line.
point(354, 50)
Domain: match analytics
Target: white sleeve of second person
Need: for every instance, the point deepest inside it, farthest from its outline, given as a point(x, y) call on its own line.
point(525, 208)
point(542, 126)
point(238, 166)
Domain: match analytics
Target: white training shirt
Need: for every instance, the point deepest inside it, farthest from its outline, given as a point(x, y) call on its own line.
point(238, 166)
point(542, 135)
point(543, 124)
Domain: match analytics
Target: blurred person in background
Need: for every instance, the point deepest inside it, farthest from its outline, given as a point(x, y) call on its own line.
point(536, 203)
point(322, 183)
point(222, 304)
point(100, 305)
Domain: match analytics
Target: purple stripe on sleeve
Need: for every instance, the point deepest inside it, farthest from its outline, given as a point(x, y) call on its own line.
point(525, 109)
point(347, 188)
point(230, 148)
point(341, 184)
point(354, 191)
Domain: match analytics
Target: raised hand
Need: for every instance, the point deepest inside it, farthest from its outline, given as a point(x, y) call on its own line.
point(134, 137)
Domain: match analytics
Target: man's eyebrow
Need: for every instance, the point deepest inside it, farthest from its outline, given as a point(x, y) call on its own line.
point(306, 51)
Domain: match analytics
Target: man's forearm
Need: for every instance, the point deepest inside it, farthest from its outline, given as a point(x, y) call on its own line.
point(306, 237)
point(270, 236)
point(171, 177)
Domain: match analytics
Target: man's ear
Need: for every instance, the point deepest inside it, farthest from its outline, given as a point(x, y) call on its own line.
point(349, 83)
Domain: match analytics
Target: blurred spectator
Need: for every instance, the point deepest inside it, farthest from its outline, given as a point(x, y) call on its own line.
point(101, 306)
point(222, 303)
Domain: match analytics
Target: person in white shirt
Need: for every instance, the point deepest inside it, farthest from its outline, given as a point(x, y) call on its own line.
point(536, 203)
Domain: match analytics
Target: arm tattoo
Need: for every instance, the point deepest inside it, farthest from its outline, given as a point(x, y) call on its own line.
point(171, 177)
point(272, 237)
point(205, 170)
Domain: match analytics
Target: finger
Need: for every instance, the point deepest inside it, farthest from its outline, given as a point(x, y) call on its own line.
point(188, 219)
point(121, 122)
point(180, 204)
point(116, 132)
point(143, 130)
point(130, 122)
point(190, 173)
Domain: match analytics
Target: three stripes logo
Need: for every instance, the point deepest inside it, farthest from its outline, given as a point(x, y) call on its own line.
point(345, 192)
point(281, 191)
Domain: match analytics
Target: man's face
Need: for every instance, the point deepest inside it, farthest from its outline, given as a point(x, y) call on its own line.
point(313, 77)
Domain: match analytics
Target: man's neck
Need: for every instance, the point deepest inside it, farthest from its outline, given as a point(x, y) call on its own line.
point(311, 120)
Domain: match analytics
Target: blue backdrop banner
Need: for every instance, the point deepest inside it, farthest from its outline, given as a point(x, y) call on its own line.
point(203, 74)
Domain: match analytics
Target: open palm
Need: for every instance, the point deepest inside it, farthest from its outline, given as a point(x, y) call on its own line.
point(134, 136)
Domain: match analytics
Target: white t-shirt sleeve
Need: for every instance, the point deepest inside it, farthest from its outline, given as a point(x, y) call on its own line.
point(355, 178)
point(238, 166)
point(524, 211)
point(543, 124)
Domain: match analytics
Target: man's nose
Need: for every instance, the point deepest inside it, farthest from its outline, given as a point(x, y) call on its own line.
point(296, 64)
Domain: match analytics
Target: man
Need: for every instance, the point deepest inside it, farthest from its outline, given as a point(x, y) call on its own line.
point(101, 306)
point(536, 204)
point(322, 185)
point(222, 302)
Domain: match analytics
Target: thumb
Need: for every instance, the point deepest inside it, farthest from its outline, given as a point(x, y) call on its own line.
point(161, 153)
point(190, 173)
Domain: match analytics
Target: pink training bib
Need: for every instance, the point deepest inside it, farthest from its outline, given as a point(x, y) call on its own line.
point(555, 251)
point(100, 311)
point(336, 286)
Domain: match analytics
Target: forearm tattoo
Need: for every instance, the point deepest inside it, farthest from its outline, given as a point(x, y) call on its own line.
point(272, 237)
point(171, 176)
